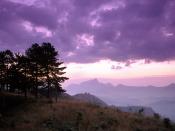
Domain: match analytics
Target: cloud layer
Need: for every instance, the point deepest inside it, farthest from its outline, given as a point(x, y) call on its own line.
point(91, 30)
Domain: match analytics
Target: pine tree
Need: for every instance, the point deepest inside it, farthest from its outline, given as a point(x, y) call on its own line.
point(6, 60)
point(51, 67)
point(45, 66)
point(34, 55)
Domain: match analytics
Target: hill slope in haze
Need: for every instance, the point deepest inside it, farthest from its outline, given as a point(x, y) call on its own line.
point(161, 99)
point(87, 97)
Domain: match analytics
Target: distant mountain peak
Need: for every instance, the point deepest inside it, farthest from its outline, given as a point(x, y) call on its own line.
point(92, 81)
point(95, 80)
point(150, 86)
point(171, 85)
point(121, 85)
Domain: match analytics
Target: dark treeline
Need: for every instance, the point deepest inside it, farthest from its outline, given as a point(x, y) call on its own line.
point(36, 71)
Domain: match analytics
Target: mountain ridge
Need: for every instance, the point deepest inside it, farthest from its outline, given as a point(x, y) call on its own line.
point(123, 95)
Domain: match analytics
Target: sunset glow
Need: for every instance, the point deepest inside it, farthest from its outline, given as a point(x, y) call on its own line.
point(107, 69)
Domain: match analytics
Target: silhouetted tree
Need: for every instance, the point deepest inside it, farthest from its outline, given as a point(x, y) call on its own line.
point(141, 111)
point(54, 69)
point(34, 55)
point(45, 66)
point(21, 70)
point(157, 116)
point(38, 68)
point(2, 67)
point(167, 122)
point(51, 67)
point(6, 60)
point(56, 82)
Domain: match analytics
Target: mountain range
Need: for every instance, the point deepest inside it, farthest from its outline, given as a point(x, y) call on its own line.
point(161, 99)
point(91, 99)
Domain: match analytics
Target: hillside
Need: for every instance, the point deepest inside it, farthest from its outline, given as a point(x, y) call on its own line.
point(87, 97)
point(70, 115)
point(147, 111)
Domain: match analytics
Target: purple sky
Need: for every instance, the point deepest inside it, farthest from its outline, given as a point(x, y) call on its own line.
point(121, 29)
point(86, 31)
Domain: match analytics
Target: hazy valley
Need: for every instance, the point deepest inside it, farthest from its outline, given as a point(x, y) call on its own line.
point(160, 99)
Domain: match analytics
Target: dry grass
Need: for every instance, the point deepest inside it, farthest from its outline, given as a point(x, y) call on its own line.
point(67, 115)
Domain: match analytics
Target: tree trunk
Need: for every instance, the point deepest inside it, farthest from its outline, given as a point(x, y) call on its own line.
point(36, 87)
point(0, 86)
point(36, 82)
point(56, 94)
point(25, 93)
point(48, 86)
point(26, 81)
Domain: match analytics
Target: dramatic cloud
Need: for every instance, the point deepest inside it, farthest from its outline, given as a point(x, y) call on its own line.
point(92, 30)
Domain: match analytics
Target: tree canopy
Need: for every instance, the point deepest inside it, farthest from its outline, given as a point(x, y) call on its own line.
point(36, 71)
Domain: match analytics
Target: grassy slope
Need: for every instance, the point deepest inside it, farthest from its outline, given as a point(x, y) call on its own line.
point(67, 115)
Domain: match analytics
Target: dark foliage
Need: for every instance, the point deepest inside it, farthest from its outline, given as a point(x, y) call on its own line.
point(39, 68)
point(167, 122)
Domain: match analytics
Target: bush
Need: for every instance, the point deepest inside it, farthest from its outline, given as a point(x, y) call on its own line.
point(156, 116)
point(167, 122)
